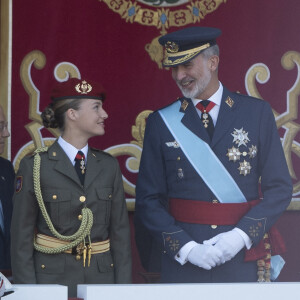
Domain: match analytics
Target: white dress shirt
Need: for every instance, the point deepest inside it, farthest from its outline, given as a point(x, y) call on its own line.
point(71, 151)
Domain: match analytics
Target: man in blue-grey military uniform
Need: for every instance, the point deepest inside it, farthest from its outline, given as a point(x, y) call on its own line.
point(206, 157)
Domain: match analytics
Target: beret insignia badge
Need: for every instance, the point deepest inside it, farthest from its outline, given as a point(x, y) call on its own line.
point(83, 88)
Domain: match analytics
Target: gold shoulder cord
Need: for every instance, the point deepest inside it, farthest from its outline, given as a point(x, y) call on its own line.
point(87, 215)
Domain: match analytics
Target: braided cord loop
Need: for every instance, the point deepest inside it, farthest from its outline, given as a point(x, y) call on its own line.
point(87, 215)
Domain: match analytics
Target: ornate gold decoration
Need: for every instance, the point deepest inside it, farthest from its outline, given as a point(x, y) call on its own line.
point(138, 130)
point(285, 120)
point(162, 15)
point(156, 51)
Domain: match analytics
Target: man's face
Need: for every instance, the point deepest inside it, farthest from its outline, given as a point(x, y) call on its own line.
point(193, 77)
point(4, 133)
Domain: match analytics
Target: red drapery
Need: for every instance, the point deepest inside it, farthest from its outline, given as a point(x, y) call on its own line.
point(110, 41)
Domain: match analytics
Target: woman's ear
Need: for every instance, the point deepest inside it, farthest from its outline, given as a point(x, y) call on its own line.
point(71, 114)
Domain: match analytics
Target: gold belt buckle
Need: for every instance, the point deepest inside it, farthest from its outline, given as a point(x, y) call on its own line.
point(79, 251)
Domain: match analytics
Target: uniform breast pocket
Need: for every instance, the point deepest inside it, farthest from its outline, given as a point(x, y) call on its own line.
point(104, 198)
point(58, 205)
point(177, 167)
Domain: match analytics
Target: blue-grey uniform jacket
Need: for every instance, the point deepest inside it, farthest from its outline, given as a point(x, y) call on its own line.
point(244, 123)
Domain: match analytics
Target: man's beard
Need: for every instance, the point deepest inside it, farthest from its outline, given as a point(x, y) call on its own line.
point(198, 89)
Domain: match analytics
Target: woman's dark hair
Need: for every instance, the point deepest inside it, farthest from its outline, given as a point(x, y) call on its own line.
point(53, 115)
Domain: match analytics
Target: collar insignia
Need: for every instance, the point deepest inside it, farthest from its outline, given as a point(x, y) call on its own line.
point(229, 101)
point(184, 105)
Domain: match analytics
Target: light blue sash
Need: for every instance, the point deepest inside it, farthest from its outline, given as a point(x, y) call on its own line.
point(202, 158)
point(209, 167)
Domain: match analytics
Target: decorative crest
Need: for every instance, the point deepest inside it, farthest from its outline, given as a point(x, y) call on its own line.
point(171, 47)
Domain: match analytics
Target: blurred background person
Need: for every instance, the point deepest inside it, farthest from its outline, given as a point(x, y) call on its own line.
point(7, 176)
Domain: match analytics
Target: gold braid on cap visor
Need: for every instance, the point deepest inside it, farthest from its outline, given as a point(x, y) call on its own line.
point(184, 55)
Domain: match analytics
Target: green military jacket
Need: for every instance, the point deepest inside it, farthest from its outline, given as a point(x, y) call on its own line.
point(63, 194)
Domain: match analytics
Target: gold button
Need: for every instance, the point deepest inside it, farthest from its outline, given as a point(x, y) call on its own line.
point(112, 265)
point(43, 266)
point(244, 153)
point(80, 217)
point(178, 158)
point(215, 201)
point(213, 226)
point(54, 153)
point(54, 197)
point(109, 196)
point(82, 199)
point(78, 257)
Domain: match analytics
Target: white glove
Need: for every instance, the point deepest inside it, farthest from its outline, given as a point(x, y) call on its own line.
point(205, 256)
point(229, 243)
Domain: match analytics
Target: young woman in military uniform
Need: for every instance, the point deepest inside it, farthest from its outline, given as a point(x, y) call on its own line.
point(70, 224)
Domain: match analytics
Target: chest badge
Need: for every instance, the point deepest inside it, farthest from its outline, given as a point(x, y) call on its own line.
point(234, 154)
point(237, 153)
point(252, 151)
point(244, 168)
point(173, 144)
point(240, 137)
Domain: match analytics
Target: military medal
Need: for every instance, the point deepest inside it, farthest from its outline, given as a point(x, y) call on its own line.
point(205, 106)
point(252, 151)
point(82, 163)
point(82, 166)
point(240, 137)
point(205, 120)
point(245, 168)
point(234, 154)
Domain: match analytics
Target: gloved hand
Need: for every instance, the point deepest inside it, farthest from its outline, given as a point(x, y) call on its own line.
point(229, 243)
point(205, 256)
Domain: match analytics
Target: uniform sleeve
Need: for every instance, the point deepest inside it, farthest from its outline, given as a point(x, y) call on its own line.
point(25, 210)
point(120, 232)
point(276, 185)
point(152, 193)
